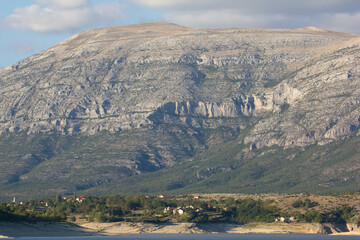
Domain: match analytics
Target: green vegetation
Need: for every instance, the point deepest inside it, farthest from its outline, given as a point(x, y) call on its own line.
point(29, 212)
point(171, 209)
point(339, 215)
point(307, 203)
point(249, 210)
point(140, 209)
point(51, 163)
point(284, 107)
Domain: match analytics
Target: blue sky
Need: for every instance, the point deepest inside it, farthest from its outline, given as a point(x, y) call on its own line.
point(29, 26)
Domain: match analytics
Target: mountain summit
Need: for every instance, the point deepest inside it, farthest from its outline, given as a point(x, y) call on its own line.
point(158, 107)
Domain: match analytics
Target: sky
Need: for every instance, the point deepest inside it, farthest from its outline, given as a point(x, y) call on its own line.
point(30, 26)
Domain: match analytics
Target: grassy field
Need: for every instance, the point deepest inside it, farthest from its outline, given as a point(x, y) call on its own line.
point(285, 201)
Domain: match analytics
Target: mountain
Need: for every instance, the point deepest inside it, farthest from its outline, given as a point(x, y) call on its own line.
point(157, 107)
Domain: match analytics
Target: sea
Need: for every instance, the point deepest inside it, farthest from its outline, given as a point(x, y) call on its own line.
point(205, 237)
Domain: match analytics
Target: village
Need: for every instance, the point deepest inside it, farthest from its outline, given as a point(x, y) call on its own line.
point(174, 208)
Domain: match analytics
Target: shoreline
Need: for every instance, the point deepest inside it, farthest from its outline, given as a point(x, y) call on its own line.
point(43, 229)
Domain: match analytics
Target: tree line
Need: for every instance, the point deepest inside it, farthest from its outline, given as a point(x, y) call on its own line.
point(155, 209)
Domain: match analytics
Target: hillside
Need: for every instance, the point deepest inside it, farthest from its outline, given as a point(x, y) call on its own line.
point(157, 107)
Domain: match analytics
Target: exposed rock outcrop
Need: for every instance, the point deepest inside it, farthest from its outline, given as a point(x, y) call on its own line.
point(164, 90)
point(115, 78)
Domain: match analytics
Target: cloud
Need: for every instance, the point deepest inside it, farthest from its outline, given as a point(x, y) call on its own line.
point(64, 3)
point(53, 16)
point(345, 22)
point(332, 14)
point(224, 18)
point(24, 48)
point(258, 6)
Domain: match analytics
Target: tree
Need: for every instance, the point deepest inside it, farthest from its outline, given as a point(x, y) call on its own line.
point(58, 198)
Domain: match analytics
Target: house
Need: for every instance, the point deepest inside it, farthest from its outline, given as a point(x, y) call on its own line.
point(286, 219)
point(162, 196)
point(180, 210)
point(196, 196)
point(80, 199)
point(198, 209)
point(174, 210)
point(167, 209)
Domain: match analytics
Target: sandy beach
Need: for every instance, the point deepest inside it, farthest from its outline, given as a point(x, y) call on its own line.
point(120, 228)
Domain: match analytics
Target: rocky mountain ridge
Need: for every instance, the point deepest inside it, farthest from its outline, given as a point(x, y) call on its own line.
point(167, 87)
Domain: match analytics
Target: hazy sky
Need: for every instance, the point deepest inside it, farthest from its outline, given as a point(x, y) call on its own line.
point(29, 26)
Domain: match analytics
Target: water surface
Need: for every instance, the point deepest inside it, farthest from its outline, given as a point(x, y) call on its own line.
point(206, 237)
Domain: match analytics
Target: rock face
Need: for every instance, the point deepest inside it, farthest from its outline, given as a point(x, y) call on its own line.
point(171, 85)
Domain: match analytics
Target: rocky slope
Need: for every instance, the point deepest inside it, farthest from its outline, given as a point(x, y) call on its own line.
point(115, 102)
